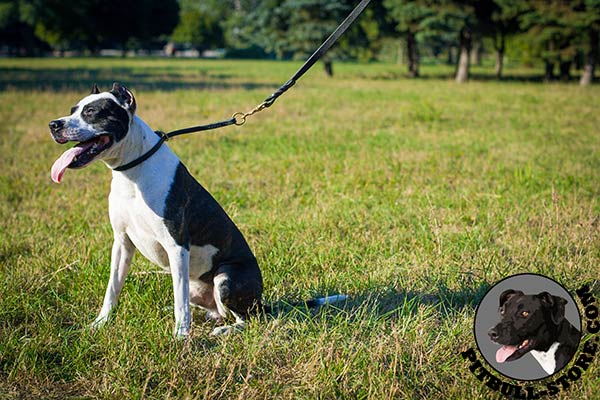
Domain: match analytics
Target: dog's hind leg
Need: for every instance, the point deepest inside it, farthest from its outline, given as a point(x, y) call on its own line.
point(202, 296)
point(237, 291)
point(121, 256)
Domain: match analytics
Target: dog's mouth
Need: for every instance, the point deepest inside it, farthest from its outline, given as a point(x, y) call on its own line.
point(80, 155)
point(511, 353)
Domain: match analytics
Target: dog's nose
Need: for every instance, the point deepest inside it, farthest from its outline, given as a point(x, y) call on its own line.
point(493, 334)
point(56, 125)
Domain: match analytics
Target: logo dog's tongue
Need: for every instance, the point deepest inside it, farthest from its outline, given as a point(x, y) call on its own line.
point(60, 165)
point(504, 352)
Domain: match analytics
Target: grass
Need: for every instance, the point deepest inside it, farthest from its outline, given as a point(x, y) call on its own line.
point(410, 196)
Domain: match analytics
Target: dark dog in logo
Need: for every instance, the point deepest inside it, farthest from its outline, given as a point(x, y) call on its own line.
point(534, 324)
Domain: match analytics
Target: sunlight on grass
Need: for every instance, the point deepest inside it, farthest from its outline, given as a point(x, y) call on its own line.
point(410, 196)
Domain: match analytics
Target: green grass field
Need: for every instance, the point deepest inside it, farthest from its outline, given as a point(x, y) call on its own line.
point(411, 196)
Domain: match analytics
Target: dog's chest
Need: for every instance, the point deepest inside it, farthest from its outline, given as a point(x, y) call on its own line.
point(138, 211)
point(131, 214)
point(547, 359)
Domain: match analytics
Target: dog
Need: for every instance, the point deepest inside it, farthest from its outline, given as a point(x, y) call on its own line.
point(160, 209)
point(535, 324)
point(157, 207)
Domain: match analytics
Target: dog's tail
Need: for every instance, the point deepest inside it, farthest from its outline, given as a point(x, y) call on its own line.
point(324, 301)
point(311, 303)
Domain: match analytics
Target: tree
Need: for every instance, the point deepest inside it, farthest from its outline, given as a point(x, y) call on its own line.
point(553, 27)
point(366, 37)
point(409, 18)
point(199, 30)
point(461, 17)
point(592, 31)
point(295, 29)
point(15, 30)
point(94, 23)
point(61, 24)
point(264, 26)
point(505, 17)
point(311, 22)
point(141, 20)
point(200, 24)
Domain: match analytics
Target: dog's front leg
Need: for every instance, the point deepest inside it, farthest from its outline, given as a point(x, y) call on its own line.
point(179, 261)
point(121, 256)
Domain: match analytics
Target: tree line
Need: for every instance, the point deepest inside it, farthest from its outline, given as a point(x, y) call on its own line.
point(560, 35)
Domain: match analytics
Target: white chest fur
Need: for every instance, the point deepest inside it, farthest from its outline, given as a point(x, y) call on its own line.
point(547, 359)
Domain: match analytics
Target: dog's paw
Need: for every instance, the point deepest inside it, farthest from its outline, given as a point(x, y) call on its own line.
point(227, 329)
point(99, 322)
point(212, 316)
point(181, 333)
point(222, 330)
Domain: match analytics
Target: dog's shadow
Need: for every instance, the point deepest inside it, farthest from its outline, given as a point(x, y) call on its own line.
point(391, 303)
point(373, 305)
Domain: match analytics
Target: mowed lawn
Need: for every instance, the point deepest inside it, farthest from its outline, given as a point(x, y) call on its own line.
point(412, 197)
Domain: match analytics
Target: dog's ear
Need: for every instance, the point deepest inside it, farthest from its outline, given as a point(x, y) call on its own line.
point(556, 306)
point(507, 294)
point(95, 89)
point(124, 96)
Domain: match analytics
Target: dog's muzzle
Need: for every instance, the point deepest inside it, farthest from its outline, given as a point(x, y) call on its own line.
point(56, 129)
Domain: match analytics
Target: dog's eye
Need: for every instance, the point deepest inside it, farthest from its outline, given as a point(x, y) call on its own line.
point(524, 313)
point(89, 111)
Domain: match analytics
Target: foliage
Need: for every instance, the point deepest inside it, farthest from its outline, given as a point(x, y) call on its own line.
point(553, 26)
point(16, 32)
point(201, 24)
point(295, 28)
point(198, 29)
point(91, 24)
point(555, 32)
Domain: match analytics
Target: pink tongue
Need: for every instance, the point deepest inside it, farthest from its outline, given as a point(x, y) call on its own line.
point(60, 165)
point(504, 352)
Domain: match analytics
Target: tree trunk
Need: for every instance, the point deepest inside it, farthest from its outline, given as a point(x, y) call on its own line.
point(499, 63)
point(549, 71)
point(476, 53)
point(450, 59)
point(549, 62)
point(413, 54)
point(328, 64)
point(500, 46)
point(462, 71)
point(590, 63)
point(565, 70)
point(400, 55)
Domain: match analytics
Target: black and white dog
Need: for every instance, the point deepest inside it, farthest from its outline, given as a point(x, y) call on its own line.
point(536, 324)
point(160, 209)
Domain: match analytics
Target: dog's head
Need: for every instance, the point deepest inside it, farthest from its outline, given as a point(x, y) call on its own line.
point(528, 322)
point(96, 123)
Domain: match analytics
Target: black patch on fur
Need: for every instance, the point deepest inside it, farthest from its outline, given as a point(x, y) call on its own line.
point(194, 217)
point(105, 115)
point(124, 96)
